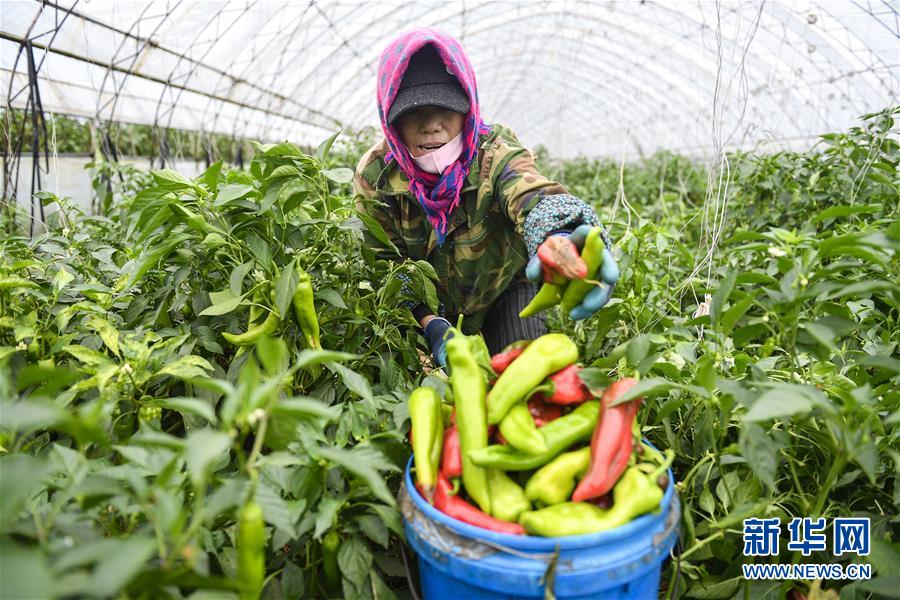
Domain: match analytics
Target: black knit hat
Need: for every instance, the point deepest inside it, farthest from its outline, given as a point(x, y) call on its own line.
point(427, 82)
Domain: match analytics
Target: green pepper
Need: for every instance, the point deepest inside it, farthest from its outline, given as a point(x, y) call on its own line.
point(468, 388)
point(547, 297)
point(251, 544)
point(249, 337)
point(427, 436)
point(635, 494)
point(508, 499)
point(544, 356)
point(559, 435)
point(330, 545)
point(553, 483)
point(592, 253)
point(305, 309)
point(520, 431)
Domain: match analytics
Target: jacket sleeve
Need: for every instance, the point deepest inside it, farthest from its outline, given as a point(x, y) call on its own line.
point(536, 205)
point(369, 203)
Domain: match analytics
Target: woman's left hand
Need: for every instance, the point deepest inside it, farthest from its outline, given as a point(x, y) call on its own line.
point(607, 274)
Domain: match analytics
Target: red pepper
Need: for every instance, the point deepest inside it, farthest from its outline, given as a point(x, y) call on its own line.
point(502, 359)
point(611, 444)
point(456, 507)
point(451, 458)
point(542, 412)
point(568, 387)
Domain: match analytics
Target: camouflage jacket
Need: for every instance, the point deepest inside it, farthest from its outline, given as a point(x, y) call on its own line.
point(485, 249)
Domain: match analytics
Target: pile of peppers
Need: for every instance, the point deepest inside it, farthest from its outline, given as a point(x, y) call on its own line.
point(522, 446)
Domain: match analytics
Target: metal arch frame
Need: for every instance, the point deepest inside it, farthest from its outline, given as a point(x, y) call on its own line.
point(11, 162)
point(369, 64)
point(765, 30)
point(830, 45)
point(830, 48)
point(113, 63)
point(530, 16)
point(678, 83)
point(281, 62)
point(249, 66)
point(303, 80)
point(170, 109)
point(634, 124)
point(767, 77)
point(181, 56)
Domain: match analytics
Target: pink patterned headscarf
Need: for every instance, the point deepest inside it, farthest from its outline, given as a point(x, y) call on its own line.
point(438, 195)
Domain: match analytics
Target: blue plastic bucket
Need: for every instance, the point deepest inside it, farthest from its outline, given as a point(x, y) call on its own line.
point(457, 560)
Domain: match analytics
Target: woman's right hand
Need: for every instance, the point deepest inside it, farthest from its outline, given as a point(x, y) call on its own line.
point(435, 331)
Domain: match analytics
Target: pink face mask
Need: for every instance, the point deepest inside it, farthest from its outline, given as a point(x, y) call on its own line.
point(435, 162)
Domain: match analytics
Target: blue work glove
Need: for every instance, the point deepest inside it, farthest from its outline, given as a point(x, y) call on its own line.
point(435, 334)
point(608, 274)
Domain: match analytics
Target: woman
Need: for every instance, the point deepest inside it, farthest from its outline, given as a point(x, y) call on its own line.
point(464, 196)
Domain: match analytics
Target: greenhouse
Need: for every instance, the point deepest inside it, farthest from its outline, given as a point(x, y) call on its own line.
point(463, 299)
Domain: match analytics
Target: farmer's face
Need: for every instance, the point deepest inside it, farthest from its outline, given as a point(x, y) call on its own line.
point(428, 128)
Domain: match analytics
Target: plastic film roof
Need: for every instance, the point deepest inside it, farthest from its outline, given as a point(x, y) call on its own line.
point(592, 78)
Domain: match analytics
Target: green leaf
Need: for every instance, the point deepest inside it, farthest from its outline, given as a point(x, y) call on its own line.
point(647, 388)
point(20, 475)
point(427, 269)
point(715, 590)
point(845, 210)
point(31, 414)
point(783, 401)
point(124, 560)
point(637, 349)
point(303, 406)
point(339, 175)
point(284, 288)
point(210, 177)
point(87, 356)
point(355, 382)
point(721, 295)
point(187, 367)
point(861, 288)
point(203, 447)
point(325, 146)
point(331, 297)
point(737, 310)
point(232, 192)
point(236, 279)
point(193, 406)
point(889, 587)
point(311, 357)
point(149, 258)
point(326, 513)
point(171, 178)
point(355, 561)
point(61, 280)
point(822, 334)
point(375, 228)
point(275, 510)
point(260, 248)
point(761, 453)
point(355, 463)
point(107, 333)
point(25, 572)
point(374, 528)
point(222, 308)
point(293, 584)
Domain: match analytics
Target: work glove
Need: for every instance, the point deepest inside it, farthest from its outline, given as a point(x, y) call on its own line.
point(435, 332)
point(552, 264)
